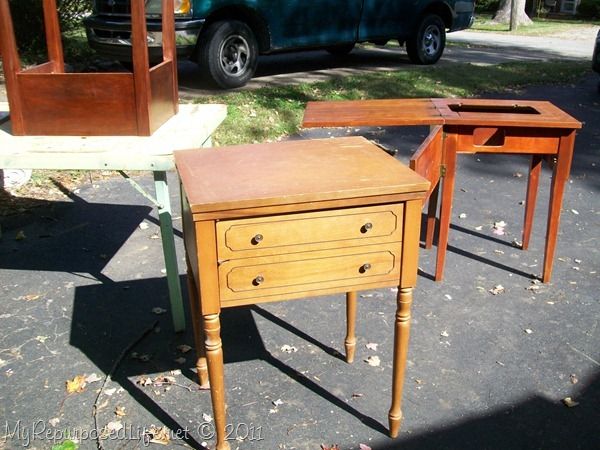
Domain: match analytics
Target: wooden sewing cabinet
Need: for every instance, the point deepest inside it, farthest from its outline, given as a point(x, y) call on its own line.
point(280, 221)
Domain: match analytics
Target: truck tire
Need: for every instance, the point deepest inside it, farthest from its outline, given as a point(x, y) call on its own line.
point(427, 45)
point(228, 53)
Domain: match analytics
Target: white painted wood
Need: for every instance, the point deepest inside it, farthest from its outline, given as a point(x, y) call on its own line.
point(190, 128)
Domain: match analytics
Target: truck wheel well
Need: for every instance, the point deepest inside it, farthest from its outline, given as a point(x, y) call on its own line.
point(250, 17)
point(442, 10)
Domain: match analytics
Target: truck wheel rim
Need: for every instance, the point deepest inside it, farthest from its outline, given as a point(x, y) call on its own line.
point(432, 40)
point(234, 53)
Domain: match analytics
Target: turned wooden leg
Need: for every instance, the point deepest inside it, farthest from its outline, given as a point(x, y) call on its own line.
point(532, 190)
point(201, 367)
point(350, 341)
point(557, 189)
point(401, 334)
point(214, 356)
point(446, 206)
point(431, 212)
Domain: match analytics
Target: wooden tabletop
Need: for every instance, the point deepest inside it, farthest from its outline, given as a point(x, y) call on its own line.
point(291, 172)
point(404, 112)
point(382, 113)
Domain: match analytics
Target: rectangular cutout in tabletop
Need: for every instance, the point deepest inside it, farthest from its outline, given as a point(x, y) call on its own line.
point(493, 109)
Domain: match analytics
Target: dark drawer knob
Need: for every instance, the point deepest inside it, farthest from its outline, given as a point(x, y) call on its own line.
point(257, 239)
point(365, 267)
point(258, 280)
point(366, 227)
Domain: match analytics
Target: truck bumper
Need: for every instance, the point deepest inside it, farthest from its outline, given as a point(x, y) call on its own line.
point(112, 38)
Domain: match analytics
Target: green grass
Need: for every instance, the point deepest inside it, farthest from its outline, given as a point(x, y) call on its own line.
point(540, 26)
point(271, 113)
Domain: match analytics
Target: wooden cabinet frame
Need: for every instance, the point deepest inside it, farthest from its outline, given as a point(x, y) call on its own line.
point(534, 128)
point(45, 100)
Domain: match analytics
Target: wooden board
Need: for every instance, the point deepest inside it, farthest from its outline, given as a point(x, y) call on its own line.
point(192, 127)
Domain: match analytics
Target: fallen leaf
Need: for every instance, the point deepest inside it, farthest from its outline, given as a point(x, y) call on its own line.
point(418, 381)
point(120, 411)
point(372, 346)
point(288, 349)
point(462, 216)
point(164, 379)
point(159, 435)
point(76, 385)
point(500, 252)
point(444, 333)
point(175, 372)
point(92, 378)
point(54, 422)
point(364, 447)
point(110, 391)
point(498, 289)
point(516, 243)
point(144, 381)
point(115, 425)
point(30, 297)
point(183, 348)
point(447, 296)
point(207, 417)
point(569, 402)
point(498, 231)
point(277, 402)
point(144, 226)
point(373, 360)
point(528, 330)
point(574, 379)
point(158, 310)
point(357, 395)
point(500, 363)
point(479, 228)
point(41, 339)
point(574, 211)
point(577, 261)
point(327, 447)
point(517, 174)
point(501, 224)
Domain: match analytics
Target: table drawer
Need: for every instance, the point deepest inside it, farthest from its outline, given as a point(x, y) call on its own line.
point(309, 271)
point(309, 231)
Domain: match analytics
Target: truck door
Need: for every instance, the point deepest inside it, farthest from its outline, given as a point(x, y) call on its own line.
point(386, 18)
point(307, 23)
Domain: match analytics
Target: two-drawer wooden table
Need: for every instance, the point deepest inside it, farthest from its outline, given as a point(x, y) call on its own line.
point(535, 128)
point(297, 219)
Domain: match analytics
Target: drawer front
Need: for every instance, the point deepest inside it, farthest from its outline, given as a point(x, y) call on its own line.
point(310, 231)
point(310, 271)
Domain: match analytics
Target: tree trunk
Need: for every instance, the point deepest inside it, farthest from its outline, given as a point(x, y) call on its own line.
point(503, 13)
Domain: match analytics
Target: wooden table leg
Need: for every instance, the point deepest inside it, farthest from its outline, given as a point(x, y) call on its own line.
point(446, 206)
point(350, 341)
point(557, 189)
point(532, 190)
point(431, 213)
point(214, 356)
point(401, 335)
point(201, 366)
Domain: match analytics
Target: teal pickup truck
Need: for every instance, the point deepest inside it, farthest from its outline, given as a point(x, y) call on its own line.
point(225, 37)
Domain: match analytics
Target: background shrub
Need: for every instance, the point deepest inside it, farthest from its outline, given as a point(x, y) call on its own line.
point(28, 23)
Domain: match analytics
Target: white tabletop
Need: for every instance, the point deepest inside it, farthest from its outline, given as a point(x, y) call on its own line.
point(190, 128)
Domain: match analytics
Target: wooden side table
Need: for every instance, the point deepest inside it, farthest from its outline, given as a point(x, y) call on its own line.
point(535, 128)
point(297, 219)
